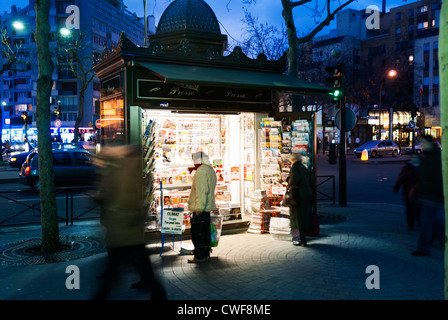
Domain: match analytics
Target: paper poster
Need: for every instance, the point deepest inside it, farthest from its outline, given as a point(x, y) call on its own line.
point(172, 221)
point(235, 173)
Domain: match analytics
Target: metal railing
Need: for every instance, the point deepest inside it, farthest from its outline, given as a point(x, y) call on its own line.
point(24, 206)
point(321, 180)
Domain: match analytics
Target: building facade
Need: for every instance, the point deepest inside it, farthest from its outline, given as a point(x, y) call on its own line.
point(100, 23)
point(406, 40)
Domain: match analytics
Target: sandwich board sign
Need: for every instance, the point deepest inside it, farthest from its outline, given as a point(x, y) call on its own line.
point(172, 221)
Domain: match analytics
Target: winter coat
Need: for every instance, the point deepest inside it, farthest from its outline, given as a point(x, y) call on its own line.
point(430, 185)
point(301, 215)
point(202, 194)
point(121, 199)
point(407, 179)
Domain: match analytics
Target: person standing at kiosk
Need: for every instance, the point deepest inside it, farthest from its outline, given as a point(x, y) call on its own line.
point(200, 203)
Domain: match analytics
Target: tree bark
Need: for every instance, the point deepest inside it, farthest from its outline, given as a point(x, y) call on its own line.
point(443, 72)
point(50, 230)
point(293, 40)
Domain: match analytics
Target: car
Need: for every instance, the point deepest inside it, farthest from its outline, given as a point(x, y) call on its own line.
point(65, 145)
point(418, 147)
point(378, 148)
point(72, 167)
point(18, 146)
point(16, 160)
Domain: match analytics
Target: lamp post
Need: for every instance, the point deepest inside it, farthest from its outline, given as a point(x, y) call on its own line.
point(392, 73)
point(146, 24)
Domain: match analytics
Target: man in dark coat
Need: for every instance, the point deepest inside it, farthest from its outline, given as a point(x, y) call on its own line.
point(430, 195)
point(300, 215)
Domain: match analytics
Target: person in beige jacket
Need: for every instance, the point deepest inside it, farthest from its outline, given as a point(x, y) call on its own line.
point(200, 203)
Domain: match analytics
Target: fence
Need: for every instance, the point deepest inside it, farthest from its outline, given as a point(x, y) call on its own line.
point(323, 181)
point(14, 207)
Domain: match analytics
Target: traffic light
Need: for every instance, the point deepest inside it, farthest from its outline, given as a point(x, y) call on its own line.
point(24, 116)
point(335, 80)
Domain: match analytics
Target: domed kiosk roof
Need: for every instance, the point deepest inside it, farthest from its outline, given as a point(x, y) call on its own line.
point(191, 15)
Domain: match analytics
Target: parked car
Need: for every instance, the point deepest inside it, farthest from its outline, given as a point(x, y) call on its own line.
point(72, 167)
point(378, 148)
point(16, 160)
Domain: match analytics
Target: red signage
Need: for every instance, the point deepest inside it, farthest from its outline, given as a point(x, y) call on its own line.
point(98, 123)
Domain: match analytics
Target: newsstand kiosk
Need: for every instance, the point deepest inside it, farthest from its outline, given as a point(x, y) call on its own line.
point(172, 102)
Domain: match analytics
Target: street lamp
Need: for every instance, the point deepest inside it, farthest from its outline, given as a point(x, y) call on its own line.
point(64, 32)
point(18, 25)
point(392, 73)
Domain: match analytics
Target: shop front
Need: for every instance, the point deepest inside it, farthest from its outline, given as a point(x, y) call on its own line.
point(172, 105)
point(403, 129)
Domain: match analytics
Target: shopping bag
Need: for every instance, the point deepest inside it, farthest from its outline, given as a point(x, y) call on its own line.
point(215, 228)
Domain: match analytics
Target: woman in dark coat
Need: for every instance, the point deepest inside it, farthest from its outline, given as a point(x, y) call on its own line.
point(300, 215)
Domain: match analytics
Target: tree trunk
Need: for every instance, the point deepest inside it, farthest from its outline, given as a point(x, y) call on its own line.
point(443, 72)
point(293, 41)
point(50, 231)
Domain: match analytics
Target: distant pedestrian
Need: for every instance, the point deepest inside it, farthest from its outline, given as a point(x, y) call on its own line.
point(301, 214)
point(407, 180)
point(430, 196)
point(200, 203)
point(122, 215)
point(6, 148)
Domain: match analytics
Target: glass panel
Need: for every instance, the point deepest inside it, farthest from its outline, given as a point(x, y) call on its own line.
point(112, 122)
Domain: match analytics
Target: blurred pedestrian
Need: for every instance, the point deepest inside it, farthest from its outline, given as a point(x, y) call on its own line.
point(300, 214)
point(430, 196)
point(6, 148)
point(122, 215)
point(200, 203)
point(407, 180)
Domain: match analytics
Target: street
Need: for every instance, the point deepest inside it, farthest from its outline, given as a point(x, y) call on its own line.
point(367, 183)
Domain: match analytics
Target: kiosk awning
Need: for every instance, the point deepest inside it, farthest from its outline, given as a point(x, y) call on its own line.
point(172, 73)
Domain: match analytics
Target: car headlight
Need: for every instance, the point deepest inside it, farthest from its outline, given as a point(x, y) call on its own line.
point(13, 159)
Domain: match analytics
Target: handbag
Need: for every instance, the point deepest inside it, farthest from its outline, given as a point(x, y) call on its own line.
point(291, 196)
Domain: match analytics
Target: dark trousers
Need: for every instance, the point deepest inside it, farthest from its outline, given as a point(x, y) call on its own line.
point(201, 235)
point(413, 209)
point(433, 224)
point(121, 257)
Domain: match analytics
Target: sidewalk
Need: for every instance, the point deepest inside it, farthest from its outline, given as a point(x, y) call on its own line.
point(249, 266)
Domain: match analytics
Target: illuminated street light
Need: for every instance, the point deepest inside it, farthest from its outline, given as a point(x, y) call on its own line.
point(64, 32)
point(18, 25)
point(392, 73)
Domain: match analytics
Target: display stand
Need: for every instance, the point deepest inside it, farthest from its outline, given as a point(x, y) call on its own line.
point(148, 168)
point(278, 140)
